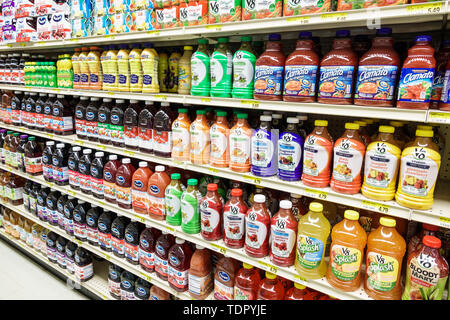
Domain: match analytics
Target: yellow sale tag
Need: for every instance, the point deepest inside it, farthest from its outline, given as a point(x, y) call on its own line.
point(315, 193)
point(222, 250)
point(301, 19)
point(73, 40)
point(253, 179)
point(373, 206)
point(145, 276)
point(441, 117)
point(251, 103)
point(160, 96)
point(216, 27)
point(107, 256)
point(72, 193)
point(444, 222)
point(153, 32)
point(338, 16)
point(427, 8)
point(269, 267)
point(101, 203)
point(205, 99)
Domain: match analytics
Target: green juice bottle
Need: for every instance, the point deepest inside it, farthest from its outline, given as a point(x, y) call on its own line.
point(200, 70)
point(51, 74)
point(39, 72)
point(190, 208)
point(173, 195)
point(221, 69)
point(244, 70)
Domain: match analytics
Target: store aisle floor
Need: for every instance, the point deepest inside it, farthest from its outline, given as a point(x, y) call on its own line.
point(23, 279)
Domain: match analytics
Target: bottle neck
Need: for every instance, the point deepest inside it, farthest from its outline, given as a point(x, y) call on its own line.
point(304, 44)
point(383, 42)
point(344, 43)
point(221, 120)
point(191, 188)
point(273, 46)
point(352, 134)
point(242, 122)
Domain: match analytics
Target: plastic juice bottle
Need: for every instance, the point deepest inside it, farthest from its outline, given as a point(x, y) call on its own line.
point(84, 68)
point(117, 235)
point(184, 71)
point(381, 166)
point(400, 134)
point(14, 144)
point(221, 70)
point(131, 243)
point(416, 241)
point(33, 157)
point(240, 144)
point(104, 230)
point(74, 176)
point(300, 73)
point(181, 136)
point(219, 135)
point(95, 69)
point(442, 57)
point(297, 292)
point(349, 152)
point(270, 288)
point(346, 253)
point(79, 218)
point(147, 242)
point(224, 278)
point(135, 68)
point(164, 242)
point(257, 225)
point(123, 69)
point(173, 71)
point(139, 185)
point(96, 171)
point(76, 69)
point(211, 214)
point(312, 234)
point(337, 70)
point(190, 208)
point(60, 165)
point(363, 133)
point(162, 132)
point(62, 116)
point(243, 70)
point(104, 119)
point(84, 170)
point(283, 231)
point(290, 151)
point(234, 213)
point(91, 119)
point(111, 58)
point(124, 176)
point(200, 70)
point(180, 255)
point(116, 127)
point(104, 60)
point(419, 170)
point(130, 121)
point(80, 118)
point(145, 130)
point(163, 71)
point(200, 273)
point(157, 185)
point(149, 61)
point(109, 178)
point(384, 256)
point(92, 224)
point(264, 145)
point(172, 199)
point(416, 79)
point(199, 139)
point(246, 283)
point(426, 273)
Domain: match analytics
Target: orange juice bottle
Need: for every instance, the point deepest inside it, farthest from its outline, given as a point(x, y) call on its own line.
point(139, 186)
point(180, 136)
point(240, 143)
point(346, 253)
point(200, 143)
point(156, 193)
point(219, 134)
point(384, 255)
point(348, 160)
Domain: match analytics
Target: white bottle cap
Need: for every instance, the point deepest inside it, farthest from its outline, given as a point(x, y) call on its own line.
point(265, 118)
point(113, 157)
point(285, 204)
point(107, 99)
point(126, 160)
point(60, 96)
point(60, 145)
point(259, 198)
point(50, 143)
point(76, 148)
point(87, 151)
point(148, 103)
point(160, 168)
point(99, 154)
point(294, 195)
point(199, 247)
point(81, 201)
point(165, 104)
point(164, 232)
point(95, 99)
point(70, 197)
point(50, 95)
point(142, 164)
point(292, 120)
point(94, 206)
point(267, 112)
point(134, 101)
point(277, 116)
point(85, 98)
point(120, 101)
point(179, 241)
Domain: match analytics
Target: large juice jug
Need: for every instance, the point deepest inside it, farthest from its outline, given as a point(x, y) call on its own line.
point(224, 278)
point(124, 176)
point(381, 166)
point(246, 283)
point(419, 171)
point(162, 132)
point(416, 241)
point(290, 151)
point(76, 68)
point(135, 68)
point(346, 253)
point(211, 214)
point(147, 242)
point(131, 122)
point(163, 244)
point(145, 131)
point(270, 288)
point(173, 200)
point(163, 71)
point(221, 70)
point(84, 68)
point(257, 225)
point(312, 234)
point(179, 262)
point(244, 70)
point(157, 185)
point(384, 256)
point(240, 144)
point(181, 136)
point(184, 71)
point(200, 70)
point(416, 79)
point(348, 160)
point(111, 61)
point(123, 69)
point(149, 61)
point(95, 69)
point(199, 138)
point(442, 57)
point(190, 208)
point(219, 134)
point(104, 61)
point(33, 157)
point(200, 273)
point(264, 148)
point(139, 186)
point(109, 178)
point(172, 85)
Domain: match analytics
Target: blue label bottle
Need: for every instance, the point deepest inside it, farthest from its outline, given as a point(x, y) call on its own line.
point(290, 152)
point(264, 149)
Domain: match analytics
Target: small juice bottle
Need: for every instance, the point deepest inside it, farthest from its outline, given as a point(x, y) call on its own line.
point(257, 232)
point(348, 159)
point(384, 256)
point(297, 292)
point(123, 184)
point(173, 200)
point(270, 288)
point(240, 144)
point(199, 138)
point(190, 208)
point(156, 193)
point(219, 135)
point(181, 136)
point(312, 234)
point(139, 186)
point(419, 171)
point(246, 283)
point(211, 214)
point(346, 253)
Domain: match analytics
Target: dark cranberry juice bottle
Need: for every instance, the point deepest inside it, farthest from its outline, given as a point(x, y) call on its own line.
point(92, 119)
point(30, 109)
point(97, 175)
point(147, 248)
point(33, 157)
point(21, 152)
point(52, 207)
point(104, 230)
point(145, 132)
point(80, 118)
point(72, 163)
point(62, 112)
point(60, 208)
point(162, 132)
point(104, 115)
point(69, 206)
point(48, 115)
point(84, 170)
point(47, 157)
point(79, 220)
point(116, 124)
point(132, 232)
point(92, 217)
point(60, 165)
point(130, 121)
point(41, 204)
point(118, 235)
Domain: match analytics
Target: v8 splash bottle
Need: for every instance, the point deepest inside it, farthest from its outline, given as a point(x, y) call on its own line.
point(221, 65)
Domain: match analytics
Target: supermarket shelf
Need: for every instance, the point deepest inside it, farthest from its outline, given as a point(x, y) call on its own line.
point(280, 106)
point(109, 256)
point(97, 285)
point(369, 17)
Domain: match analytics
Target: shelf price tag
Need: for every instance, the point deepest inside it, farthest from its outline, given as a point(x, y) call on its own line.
point(50, 184)
point(170, 229)
point(50, 135)
point(316, 194)
point(250, 103)
point(205, 100)
point(213, 170)
point(253, 180)
point(145, 276)
point(222, 250)
point(444, 222)
point(338, 16)
point(72, 193)
point(130, 153)
point(138, 218)
point(428, 8)
point(153, 32)
point(301, 280)
point(373, 206)
point(216, 27)
point(106, 256)
point(111, 93)
point(439, 117)
point(160, 96)
point(81, 143)
point(79, 242)
point(101, 203)
point(100, 146)
point(269, 267)
point(110, 36)
point(300, 20)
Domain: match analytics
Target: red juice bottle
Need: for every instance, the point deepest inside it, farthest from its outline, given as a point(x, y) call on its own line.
point(62, 116)
point(147, 242)
point(270, 288)
point(91, 119)
point(109, 178)
point(163, 244)
point(234, 213)
point(123, 183)
point(145, 131)
point(97, 175)
point(246, 283)
point(211, 214)
point(33, 157)
point(162, 132)
point(130, 121)
point(297, 292)
point(257, 222)
point(179, 262)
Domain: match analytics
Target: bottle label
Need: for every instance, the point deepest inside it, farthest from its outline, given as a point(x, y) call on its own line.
point(145, 138)
point(117, 245)
point(123, 195)
point(162, 141)
point(348, 159)
point(96, 185)
point(317, 155)
point(79, 229)
point(184, 77)
point(255, 236)
point(117, 133)
point(92, 234)
point(219, 142)
point(382, 271)
point(62, 124)
point(104, 131)
point(189, 209)
point(336, 81)
point(33, 165)
point(84, 272)
point(242, 294)
point(290, 154)
point(109, 189)
point(222, 291)
point(131, 251)
point(240, 145)
point(200, 70)
point(146, 259)
point(173, 201)
point(415, 84)
point(139, 198)
point(114, 287)
point(161, 266)
point(438, 86)
point(244, 70)
point(14, 193)
point(268, 80)
point(283, 237)
point(300, 81)
point(130, 136)
point(177, 278)
point(221, 66)
point(210, 217)
point(60, 174)
point(263, 151)
point(104, 240)
point(199, 140)
point(309, 251)
point(345, 262)
point(181, 138)
point(419, 170)
point(157, 205)
point(380, 169)
point(200, 285)
point(376, 82)
point(234, 222)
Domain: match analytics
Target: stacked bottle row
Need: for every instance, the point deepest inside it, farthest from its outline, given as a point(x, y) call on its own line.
point(59, 251)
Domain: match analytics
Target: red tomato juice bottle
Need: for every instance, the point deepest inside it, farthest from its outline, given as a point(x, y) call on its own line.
point(179, 263)
point(123, 183)
point(246, 283)
point(270, 288)
point(211, 214)
point(163, 244)
point(442, 56)
point(234, 213)
point(147, 242)
point(109, 178)
point(139, 186)
point(257, 222)
point(156, 193)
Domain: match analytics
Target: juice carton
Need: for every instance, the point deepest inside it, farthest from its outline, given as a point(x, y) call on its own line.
point(221, 11)
point(194, 13)
point(261, 9)
point(102, 25)
point(80, 28)
point(121, 22)
point(101, 8)
point(142, 20)
point(295, 8)
point(167, 17)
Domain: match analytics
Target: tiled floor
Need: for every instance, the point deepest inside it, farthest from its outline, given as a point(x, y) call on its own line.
point(23, 279)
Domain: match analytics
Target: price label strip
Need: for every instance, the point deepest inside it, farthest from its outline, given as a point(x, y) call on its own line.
point(216, 27)
point(373, 206)
point(299, 20)
point(81, 143)
point(222, 250)
point(160, 96)
point(269, 267)
point(301, 280)
point(250, 103)
point(444, 222)
point(138, 218)
point(439, 117)
point(338, 16)
point(205, 100)
point(316, 194)
point(253, 180)
point(145, 276)
point(427, 8)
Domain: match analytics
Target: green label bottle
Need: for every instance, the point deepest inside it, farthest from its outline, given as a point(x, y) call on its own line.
point(244, 70)
point(190, 208)
point(200, 70)
point(173, 195)
point(221, 68)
